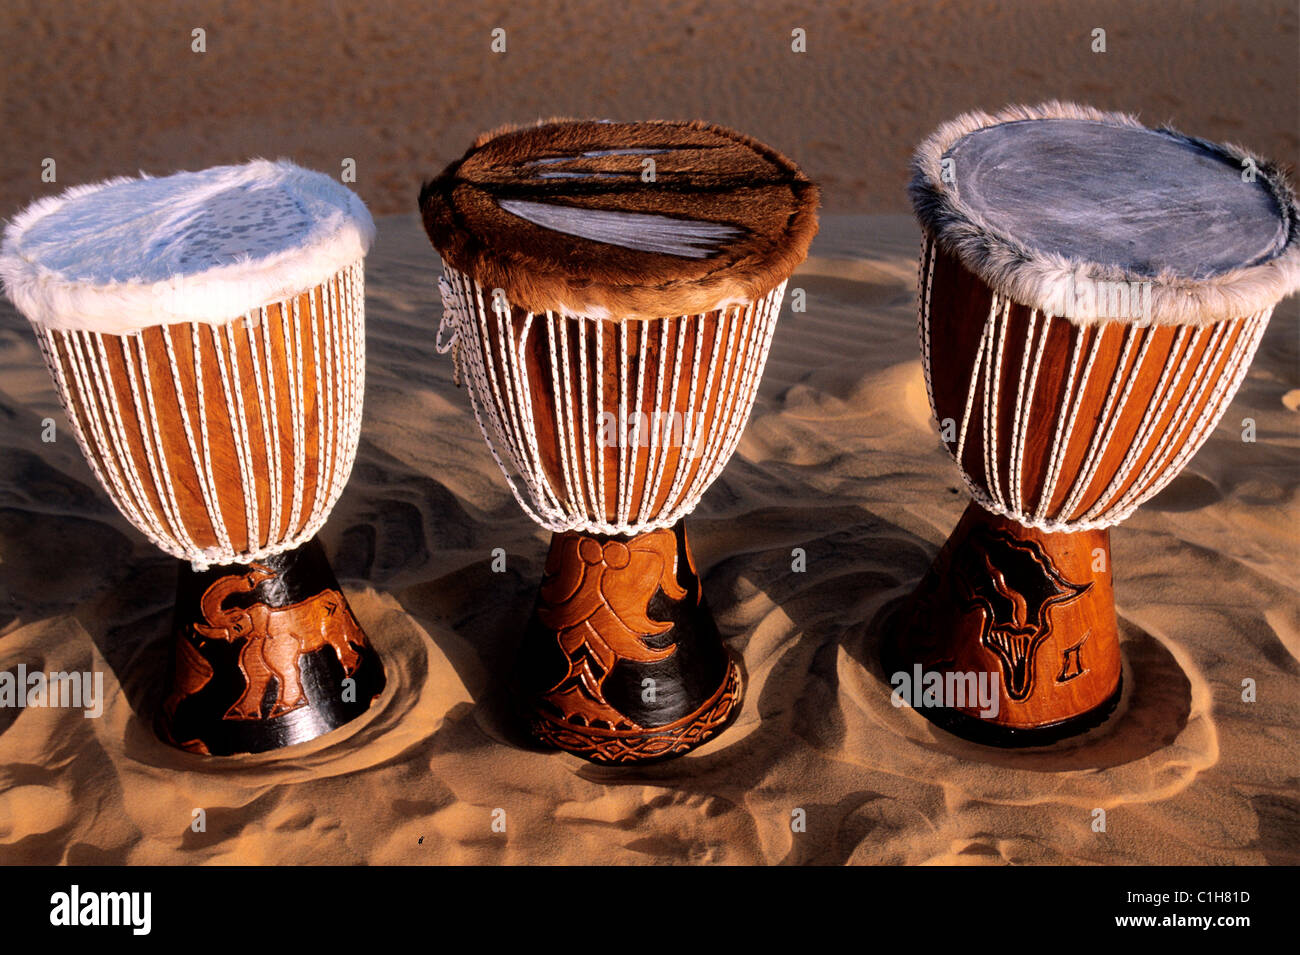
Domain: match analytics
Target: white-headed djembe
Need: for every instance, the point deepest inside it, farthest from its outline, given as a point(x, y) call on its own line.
point(206, 334)
point(1091, 294)
point(611, 290)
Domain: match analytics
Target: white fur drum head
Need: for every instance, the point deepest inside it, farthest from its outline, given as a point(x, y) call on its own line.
point(1136, 198)
point(1050, 204)
point(622, 220)
point(208, 246)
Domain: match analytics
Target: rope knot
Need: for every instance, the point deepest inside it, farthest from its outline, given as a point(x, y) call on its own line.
point(450, 322)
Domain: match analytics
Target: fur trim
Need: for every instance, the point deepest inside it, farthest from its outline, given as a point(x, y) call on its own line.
point(129, 253)
point(558, 216)
point(1043, 280)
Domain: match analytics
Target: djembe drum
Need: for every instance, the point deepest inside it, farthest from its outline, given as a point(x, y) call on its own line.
point(1091, 295)
point(205, 332)
point(611, 290)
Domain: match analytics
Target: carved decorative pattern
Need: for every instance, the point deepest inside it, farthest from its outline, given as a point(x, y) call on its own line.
point(595, 596)
point(620, 746)
point(1072, 661)
point(274, 638)
point(1014, 585)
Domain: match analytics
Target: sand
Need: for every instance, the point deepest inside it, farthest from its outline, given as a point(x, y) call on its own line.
point(840, 458)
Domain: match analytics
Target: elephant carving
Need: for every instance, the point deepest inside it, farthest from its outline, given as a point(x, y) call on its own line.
point(275, 637)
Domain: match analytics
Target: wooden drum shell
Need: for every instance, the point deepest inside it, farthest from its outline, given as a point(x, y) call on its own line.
point(135, 401)
point(1157, 390)
point(691, 380)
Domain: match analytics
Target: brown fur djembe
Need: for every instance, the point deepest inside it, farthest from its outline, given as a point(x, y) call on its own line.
point(206, 334)
point(1091, 295)
point(611, 290)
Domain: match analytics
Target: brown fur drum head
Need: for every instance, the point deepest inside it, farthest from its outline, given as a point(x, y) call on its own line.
point(622, 220)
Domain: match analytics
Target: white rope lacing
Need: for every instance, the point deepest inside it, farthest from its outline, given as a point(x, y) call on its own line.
point(142, 472)
point(491, 344)
point(1223, 353)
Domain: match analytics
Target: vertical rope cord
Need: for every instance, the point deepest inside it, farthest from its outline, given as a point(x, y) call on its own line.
point(1191, 392)
point(600, 415)
point(238, 433)
point(122, 452)
point(321, 389)
point(688, 420)
point(650, 486)
point(1176, 358)
point(278, 510)
point(666, 425)
point(254, 320)
point(925, 280)
point(595, 497)
point(760, 320)
point(992, 396)
point(296, 412)
point(357, 330)
point(1064, 422)
point(154, 448)
point(1061, 447)
point(567, 423)
point(211, 499)
point(503, 368)
point(535, 476)
point(1121, 379)
point(336, 384)
point(353, 328)
point(95, 441)
point(538, 497)
point(103, 394)
point(1243, 351)
point(569, 505)
point(973, 386)
point(1020, 418)
point(477, 384)
point(723, 406)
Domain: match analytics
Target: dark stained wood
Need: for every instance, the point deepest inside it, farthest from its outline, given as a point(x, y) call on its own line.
point(622, 661)
point(265, 655)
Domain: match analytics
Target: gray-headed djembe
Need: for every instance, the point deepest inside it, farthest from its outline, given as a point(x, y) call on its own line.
point(1091, 294)
point(611, 290)
point(205, 332)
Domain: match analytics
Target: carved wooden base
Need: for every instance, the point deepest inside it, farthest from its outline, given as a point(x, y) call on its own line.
point(266, 655)
point(1027, 616)
point(622, 661)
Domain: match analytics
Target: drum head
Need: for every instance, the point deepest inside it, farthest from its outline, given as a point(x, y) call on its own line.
point(1143, 200)
point(622, 220)
point(204, 246)
point(1053, 205)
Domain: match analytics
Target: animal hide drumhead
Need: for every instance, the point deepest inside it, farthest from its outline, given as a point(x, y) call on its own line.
point(131, 253)
point(622, 220)
point(1052, 205)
